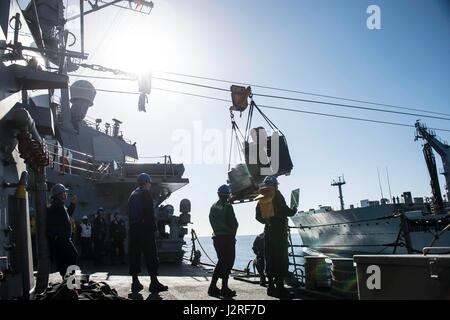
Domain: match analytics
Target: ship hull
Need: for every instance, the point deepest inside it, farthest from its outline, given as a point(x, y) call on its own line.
point(368, 230)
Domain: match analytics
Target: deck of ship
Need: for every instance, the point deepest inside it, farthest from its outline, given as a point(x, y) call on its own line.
point(185, 282)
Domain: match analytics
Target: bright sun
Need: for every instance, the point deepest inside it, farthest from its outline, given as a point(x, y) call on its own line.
point(143, 44)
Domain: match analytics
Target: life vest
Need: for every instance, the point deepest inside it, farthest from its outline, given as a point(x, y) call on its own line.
point(65, 165)
point(267, 194)
point(86, 230)
point(217, 219)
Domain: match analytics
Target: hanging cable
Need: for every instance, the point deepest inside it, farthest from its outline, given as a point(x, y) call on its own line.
point(302, 92)
point(100, 77)
point(235, 132)
point(192, 84)
point(303, 100)
point(277, 108)
point(349, 106)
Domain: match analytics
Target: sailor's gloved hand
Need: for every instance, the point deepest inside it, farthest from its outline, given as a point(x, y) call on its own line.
point(74, 199)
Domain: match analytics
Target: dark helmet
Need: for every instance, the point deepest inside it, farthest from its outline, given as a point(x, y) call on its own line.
point(270, 181)
point(224, 189)
point(58, 188)
point(144, 178)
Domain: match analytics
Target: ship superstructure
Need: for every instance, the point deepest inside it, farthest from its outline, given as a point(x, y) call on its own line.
point(46, 138)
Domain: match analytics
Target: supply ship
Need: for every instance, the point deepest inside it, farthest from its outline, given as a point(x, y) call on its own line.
point(382, 227)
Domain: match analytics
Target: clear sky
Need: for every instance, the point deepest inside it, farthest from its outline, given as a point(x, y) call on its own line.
point(316, 46)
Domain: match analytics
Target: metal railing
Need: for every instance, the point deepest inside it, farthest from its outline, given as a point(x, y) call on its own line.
point(69, 161)
point(79, 163)
point(298, 271)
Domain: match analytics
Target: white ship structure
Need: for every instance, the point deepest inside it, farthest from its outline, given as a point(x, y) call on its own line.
point(405, 225)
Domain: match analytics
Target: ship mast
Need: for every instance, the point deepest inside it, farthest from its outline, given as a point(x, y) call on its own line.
point(339, 183)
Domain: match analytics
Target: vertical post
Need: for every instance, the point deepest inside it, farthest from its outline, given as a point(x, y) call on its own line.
point(341, 197)
point(16, 28)
point(405, 229)
point(339, 183)
point(82, 25)
point(389, 184)
point(40, 186)
point(292, 252)
point(379, 182)
point(22, 260)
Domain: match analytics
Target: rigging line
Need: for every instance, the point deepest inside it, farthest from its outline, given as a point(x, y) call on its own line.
point(167, 90)
point(204, 251)
point(192, 84)
point(298, 99)
point(124, 7)
point(114, 24)
point(117, 91)
point(343, 117)
point(348, 106)
point(152, 157)
point(100, 77)
point(302, 92)
point(279, 108)
point(231, 150)
point(157, 78)
point(304, 111)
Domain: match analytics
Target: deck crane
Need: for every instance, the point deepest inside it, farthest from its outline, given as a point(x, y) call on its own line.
point(443, 149)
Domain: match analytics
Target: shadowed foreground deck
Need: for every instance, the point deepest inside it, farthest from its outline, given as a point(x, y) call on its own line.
point(185, 283)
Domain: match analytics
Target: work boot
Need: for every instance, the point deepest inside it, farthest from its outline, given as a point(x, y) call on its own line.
point(283, 293)
point(157, 287)
point(227, 293)
point(136, 287)
point(262, 281)
point(213, 291)
point(271, 291)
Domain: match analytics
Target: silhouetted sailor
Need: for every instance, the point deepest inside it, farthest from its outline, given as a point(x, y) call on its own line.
point(59, 229)
point(259, 262)
point(272, 211)
point(224, 224)
point(142, 239)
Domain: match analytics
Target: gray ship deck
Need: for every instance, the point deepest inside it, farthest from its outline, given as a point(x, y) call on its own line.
point(185, 283)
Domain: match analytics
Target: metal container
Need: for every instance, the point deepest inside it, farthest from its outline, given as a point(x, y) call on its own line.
point(402, 277)
point(317, 273)
point(284, 163)
point(240, 179)
point(343, 278)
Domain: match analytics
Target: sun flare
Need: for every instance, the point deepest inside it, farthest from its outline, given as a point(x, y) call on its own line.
point(143, 46)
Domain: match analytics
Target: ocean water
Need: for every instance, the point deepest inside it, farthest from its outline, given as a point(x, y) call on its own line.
point(244, 252)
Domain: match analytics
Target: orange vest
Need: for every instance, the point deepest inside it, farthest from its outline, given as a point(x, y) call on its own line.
point(266, 202)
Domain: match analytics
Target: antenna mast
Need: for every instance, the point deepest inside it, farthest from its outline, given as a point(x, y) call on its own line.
point(389, 184)
point(339, 183)
point(379, 182)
